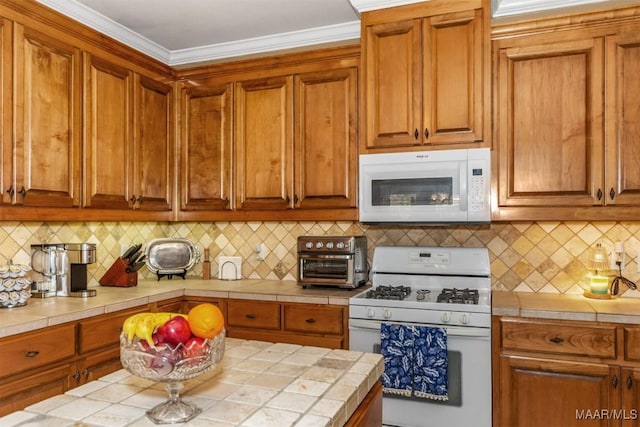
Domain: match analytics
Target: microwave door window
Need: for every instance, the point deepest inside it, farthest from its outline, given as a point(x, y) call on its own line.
point(412, 192)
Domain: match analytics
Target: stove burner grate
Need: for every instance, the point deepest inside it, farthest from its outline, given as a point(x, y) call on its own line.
point(388, 292)
point(459, 296)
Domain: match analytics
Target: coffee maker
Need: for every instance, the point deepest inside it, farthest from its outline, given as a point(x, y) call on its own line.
point(62, 268)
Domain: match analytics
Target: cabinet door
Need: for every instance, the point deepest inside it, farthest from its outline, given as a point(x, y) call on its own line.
point(393, 84)
point(207, 160)
point(544, 392)
point(630, 384)
point(7, 186)
point(325, 139)
point(48, 120)
point(108, 137)
point(549, 144)
point(623, 120)
point(153, 143)
point(453, 78)
point(264, 143)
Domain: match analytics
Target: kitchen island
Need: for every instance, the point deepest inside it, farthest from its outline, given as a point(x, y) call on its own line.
point(256, 384)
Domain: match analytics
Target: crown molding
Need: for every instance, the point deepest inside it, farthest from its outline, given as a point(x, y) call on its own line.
point(295, 39)
point(501, 8)
point(367, 5)
point(349, 31)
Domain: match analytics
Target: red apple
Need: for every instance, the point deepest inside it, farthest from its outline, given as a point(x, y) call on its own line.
point(195, 347)
point(174, 331)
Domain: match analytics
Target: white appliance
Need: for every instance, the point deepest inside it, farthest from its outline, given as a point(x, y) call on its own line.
point(439, 287)
point(438, 186)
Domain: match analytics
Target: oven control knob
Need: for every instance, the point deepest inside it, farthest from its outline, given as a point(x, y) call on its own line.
point(340, 245)
point(386, 313)
point(446, 317)
point(309, 245)
point(319, 245)
point(371, 312)
point(329, 245)
point(464, 319)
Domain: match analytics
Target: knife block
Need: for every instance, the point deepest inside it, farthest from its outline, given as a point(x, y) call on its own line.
point(117, 275)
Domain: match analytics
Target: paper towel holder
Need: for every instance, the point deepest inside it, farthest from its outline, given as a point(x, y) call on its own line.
point(232, 263)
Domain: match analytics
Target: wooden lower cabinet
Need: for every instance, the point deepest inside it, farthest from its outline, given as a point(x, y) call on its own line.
point(564, 373)
point(369, 412)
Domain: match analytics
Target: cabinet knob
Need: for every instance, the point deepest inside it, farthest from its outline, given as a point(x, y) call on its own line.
point(226, 201)
point(23, 192)
point(76, 376)
point(295, 199)
point(11, 191)
point(86, 373)
point(614, 381)
point(416, 134)
point(612, 193)
point(310, 320)
point(556, 340)
point(629, 382)
point(250, 316)
point(287, 199)
point(133, 199)
point(426, 133)
point(32, 353)
point(140, 199)
point(599, 194)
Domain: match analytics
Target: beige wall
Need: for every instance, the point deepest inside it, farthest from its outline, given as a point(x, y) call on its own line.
point(539, 257)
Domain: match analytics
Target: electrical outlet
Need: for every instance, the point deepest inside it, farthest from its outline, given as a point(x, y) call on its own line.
point(261, 251)
point(617, 256)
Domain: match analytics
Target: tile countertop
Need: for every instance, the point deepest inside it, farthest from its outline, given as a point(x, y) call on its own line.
point(257, 384)
point(40, 313)
point(565, 307)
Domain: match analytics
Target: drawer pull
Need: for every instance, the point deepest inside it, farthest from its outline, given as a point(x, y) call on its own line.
point(614, 381)
point(557, 340)
point(251, 316)
point(76, 376)
point(629, 383)
point(86, 373)
point(32, 353)
point(310, 320)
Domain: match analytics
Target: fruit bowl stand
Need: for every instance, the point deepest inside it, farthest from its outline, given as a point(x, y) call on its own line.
point(171, 365)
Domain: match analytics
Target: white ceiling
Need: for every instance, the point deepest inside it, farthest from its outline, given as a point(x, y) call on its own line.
point(180, 32)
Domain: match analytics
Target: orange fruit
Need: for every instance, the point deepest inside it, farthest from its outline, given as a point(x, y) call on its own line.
point(205, 320)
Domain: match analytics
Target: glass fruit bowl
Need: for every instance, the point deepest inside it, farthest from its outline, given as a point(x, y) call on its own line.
point(172, 365)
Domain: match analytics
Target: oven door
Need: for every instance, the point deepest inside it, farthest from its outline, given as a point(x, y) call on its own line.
point(325, 269)
point(469, 351)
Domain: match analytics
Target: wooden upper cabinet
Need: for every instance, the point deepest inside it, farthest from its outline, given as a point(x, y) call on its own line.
point(109, 134)
point(153, 145)
point(264, 143)
point(425, 78)
point(206, 162)
point(326, 153)
point(567, 120)
point(622, 105)
point(48, 120)
point(550, 124)
point(6, 112)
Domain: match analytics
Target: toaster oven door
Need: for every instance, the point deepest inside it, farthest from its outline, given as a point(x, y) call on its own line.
point(326, 269)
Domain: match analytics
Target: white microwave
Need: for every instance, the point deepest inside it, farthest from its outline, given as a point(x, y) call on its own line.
point(443, 186)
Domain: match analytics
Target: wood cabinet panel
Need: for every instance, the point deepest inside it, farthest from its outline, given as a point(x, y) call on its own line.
point(264, 143)
point(632, 344)
point(16, 394)
point(317, 319)
point(48, 120)
point(103, 331)
point(7, 186)
point(207, 160)
point(559, 338)
point(527, 383)
point(36, 349)
point(326, 148)
point(630, 385)
point(253, 314)
point(622, 186)
point(153, 144)
point(109, 134)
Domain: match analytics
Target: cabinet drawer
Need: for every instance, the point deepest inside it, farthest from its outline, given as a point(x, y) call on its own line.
point(318, 319)
point(103, 330)
point(35, 349)
point(562, 338)
point(253, 314)
point(632, 344)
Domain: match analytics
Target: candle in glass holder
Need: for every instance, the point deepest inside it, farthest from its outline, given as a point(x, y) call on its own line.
point(599, 284)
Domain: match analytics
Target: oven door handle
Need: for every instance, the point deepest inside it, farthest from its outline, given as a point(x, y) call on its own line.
point(458, 331)
point(324, 256)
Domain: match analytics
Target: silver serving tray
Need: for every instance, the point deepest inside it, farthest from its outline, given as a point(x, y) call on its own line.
point(171, 256)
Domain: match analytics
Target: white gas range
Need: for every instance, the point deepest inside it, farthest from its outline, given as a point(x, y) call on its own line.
point(437, 287)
